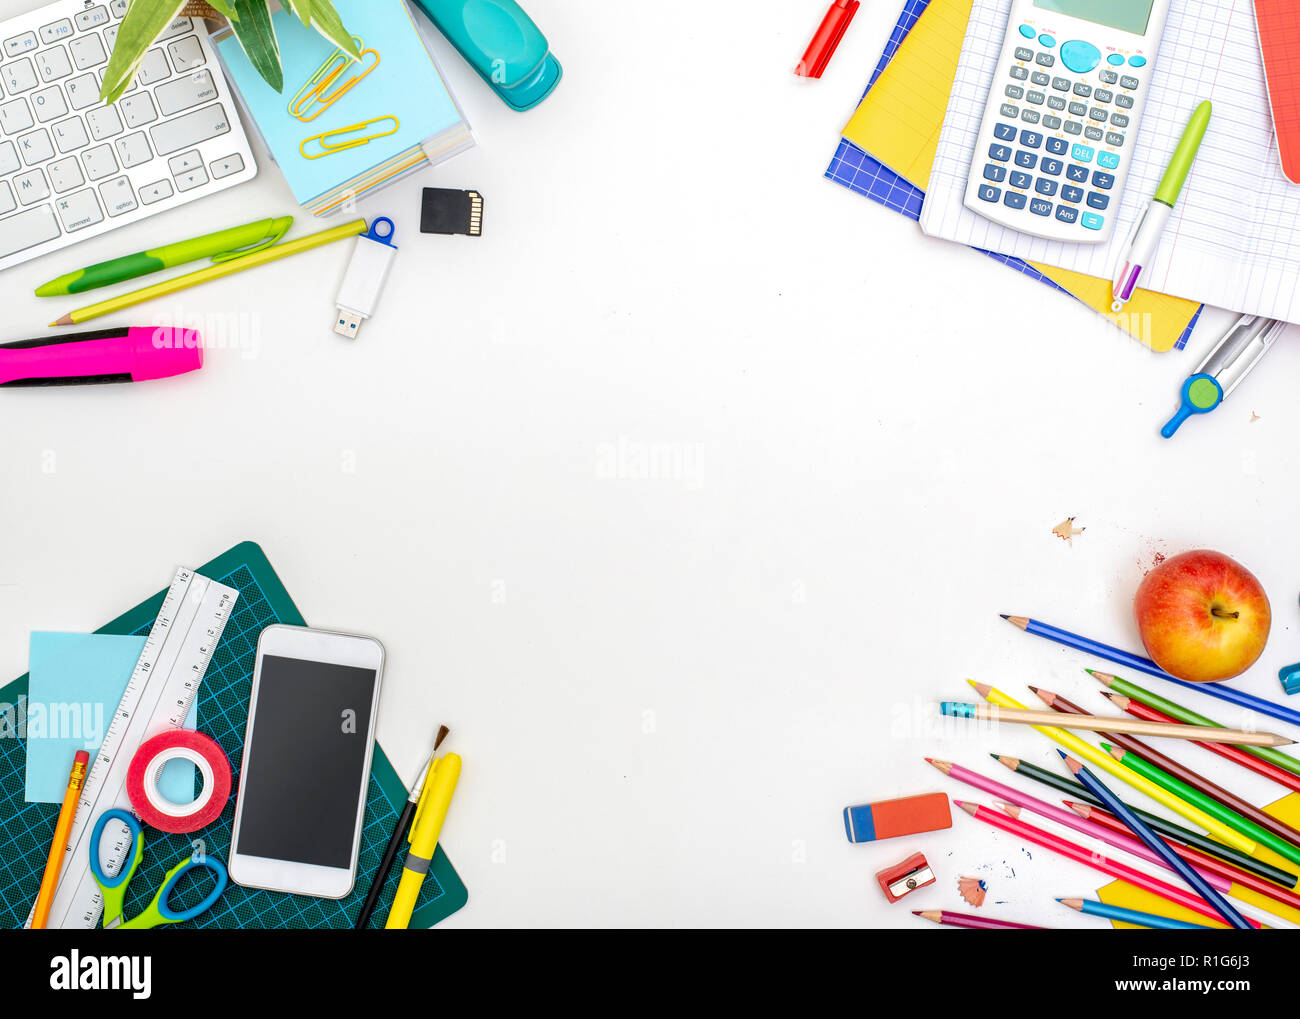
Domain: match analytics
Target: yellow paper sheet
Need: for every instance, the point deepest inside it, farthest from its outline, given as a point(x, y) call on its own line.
point(1121, 893)
point(899, 123)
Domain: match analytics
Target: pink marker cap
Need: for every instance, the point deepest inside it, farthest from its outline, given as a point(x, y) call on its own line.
point(158, 352)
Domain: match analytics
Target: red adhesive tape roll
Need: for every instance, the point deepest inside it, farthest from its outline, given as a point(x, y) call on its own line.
point(147, 800)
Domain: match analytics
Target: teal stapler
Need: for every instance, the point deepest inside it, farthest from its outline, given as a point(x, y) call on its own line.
point(502, 44)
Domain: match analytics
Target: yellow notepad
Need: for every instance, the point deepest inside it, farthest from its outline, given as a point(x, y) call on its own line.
point(899, 123)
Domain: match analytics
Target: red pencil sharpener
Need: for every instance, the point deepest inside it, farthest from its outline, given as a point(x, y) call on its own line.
point(908, 876)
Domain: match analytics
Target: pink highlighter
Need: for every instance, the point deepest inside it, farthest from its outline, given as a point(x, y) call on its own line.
point(102, 355)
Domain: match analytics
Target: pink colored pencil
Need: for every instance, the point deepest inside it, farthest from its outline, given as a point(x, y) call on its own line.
point(977, 923)
point(1096, 861)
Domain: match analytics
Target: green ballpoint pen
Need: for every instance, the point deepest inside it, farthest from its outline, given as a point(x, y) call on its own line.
point(222, 246)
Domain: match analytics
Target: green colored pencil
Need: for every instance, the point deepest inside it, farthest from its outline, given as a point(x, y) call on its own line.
point(1212, 807)
point(1167, 828)
point(1183, 714)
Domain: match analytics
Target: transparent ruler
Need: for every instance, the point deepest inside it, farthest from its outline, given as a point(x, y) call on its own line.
point(157, 699)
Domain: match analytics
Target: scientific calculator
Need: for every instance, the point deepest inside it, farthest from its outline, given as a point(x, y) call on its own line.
point(1057, 134)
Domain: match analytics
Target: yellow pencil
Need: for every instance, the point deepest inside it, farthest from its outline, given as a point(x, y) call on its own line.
point(426, 827)
point(1107, 763)
point(59, 844)
point(213, 272)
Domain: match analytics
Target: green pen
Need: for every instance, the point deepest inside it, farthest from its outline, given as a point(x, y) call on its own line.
point(222, 246)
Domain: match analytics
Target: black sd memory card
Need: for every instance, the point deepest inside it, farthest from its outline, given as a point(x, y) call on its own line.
point(448, 211)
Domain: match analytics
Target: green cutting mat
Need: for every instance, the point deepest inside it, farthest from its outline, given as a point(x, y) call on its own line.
point(27, 828)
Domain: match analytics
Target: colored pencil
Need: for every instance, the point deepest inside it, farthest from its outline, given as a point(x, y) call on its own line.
point(1122, 839)
point(1175, 832)
point(1155, 843)
point(1184, 774)
point(59, 843)
point(1138, 663)
point(977, 923)
point(1235, 754)
point(1176, 710)
point(1071, 851)
point(1096, 723)
point(1088, 752)
point(1205, 863)
point(1167, 923)
point(1162, 778)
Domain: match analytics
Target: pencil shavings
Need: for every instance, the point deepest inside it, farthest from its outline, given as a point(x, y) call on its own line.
point(973, 890)
point(1066, 530)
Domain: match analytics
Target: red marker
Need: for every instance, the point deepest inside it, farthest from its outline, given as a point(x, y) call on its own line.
point(827, 38)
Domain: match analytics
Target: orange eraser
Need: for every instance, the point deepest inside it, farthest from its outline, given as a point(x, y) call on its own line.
point(907, 815)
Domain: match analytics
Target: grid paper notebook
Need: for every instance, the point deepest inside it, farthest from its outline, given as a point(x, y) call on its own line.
point(1234, 240)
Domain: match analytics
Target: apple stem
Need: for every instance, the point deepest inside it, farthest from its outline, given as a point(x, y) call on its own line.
point(1218, 613)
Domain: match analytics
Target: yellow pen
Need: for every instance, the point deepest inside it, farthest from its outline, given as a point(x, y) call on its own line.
point(439, 786)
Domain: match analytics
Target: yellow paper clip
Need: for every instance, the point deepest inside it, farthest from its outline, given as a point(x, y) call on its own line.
point(328, 146)
point(328, 85)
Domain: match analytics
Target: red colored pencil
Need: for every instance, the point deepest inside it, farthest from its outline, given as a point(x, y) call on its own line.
point(1238, 756)
point(1095, 860)
point(977, 923)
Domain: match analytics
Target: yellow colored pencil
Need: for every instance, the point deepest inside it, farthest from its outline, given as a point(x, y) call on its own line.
point(213, 272)
point(59, 844)
point(1107, 763)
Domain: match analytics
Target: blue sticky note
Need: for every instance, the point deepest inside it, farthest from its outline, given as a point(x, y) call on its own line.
point(77, 680)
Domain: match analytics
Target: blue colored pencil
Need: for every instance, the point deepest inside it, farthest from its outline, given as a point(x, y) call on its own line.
point(1156, 844)
point(1137, 663)
point(1164, 923)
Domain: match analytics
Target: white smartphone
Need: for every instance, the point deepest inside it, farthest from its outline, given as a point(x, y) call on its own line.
point(306, 765)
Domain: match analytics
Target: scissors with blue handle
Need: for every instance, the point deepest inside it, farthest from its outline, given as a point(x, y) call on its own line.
point(159, 911)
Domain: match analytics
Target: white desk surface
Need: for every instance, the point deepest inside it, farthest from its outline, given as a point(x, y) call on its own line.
point(681, 495)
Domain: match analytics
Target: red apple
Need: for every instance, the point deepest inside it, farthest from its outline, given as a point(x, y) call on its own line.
point(1203, 617)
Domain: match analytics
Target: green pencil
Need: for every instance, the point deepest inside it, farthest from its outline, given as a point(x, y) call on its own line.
point(222, 246)
point(1181, 713)
point(1212, 807)
point(1167, 828)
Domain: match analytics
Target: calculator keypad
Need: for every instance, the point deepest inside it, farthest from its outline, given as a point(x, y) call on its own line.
point(1058, 143)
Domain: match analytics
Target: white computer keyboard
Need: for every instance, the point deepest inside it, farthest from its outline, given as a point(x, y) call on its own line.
point(71, 167)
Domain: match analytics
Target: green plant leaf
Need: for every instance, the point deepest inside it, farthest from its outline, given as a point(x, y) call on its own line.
point(302, 8)
point(330, 25)
point(224, 8)
point(256, 35)
point(144, 21)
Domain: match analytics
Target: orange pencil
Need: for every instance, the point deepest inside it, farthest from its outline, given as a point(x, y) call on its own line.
point(59, 847)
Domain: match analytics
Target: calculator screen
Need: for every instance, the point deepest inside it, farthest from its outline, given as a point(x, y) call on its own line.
point(1126, 15)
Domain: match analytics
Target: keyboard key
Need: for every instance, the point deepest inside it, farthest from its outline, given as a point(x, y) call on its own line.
point(1082, 153)
point(995, 173)
point(1035, 98)
point(132, 150)
point(1003, 132)
point(7, 201)
point(154, 68)
point(87, 51)
point(1019, 179)
point(175, 27)
point(70, 134)
point(83, 91)
point(65, 174)
point(194, 178)
point(118, 8)
point(1019, 73)
point(18, 76)
point(118, 195)
point(1014, 200)
point(1061, 84)
point(1073, 127)
point(188, 130)
point(1055, 103)
point(1124, 102)
point(31, 186)
point(1014, 92)
point(1040, 78)
point(185, 162)
point(36, 147)
point(1052, 123)
point(15, 116)
point(20, 44)
point(1103, 95)
point(1082, 89)
point(1010, 110)
point(1128, 81)
point(1045, 60)
point(27, 229)
point(1044, 186)
point(1103, 180)
point(1092, 221)
point(79, 210)
point(1031, 139)
point(1109, 77)
point(8, 158)
point(1040, 207)
point(1136, 61)
point(1051, 167)
point(48, 104)
point(138, 110)
point(1067, 213)
point(1024, 53)
point(1098, 114)
point(1097, 200)
point(1070, 193)
point(1093, 134)
point(1108, 160)
point(186, 54)
point(55, 31)
point(99, 162)
point(1030, 116)
point(1058, 146)
point(1026, 160)
point(188, 91)
point(1119, 120)
point(104, 123)
point(226, 165)
point(1114, 139)
point(1077, 174)
point(53, 63)
point(161, 189)
point(1115, 59)
point(999, 152)
point(1078, 109)
point(92, 18)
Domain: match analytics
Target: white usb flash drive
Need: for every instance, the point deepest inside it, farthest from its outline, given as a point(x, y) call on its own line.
point(364, 280)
